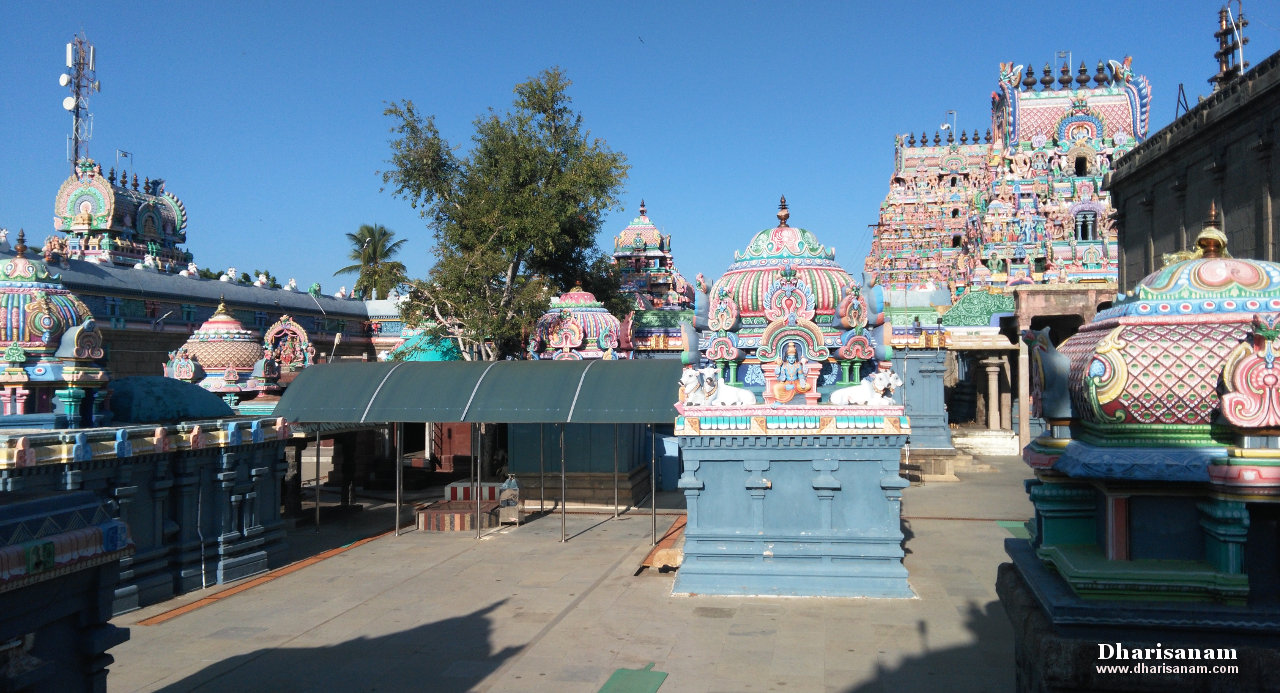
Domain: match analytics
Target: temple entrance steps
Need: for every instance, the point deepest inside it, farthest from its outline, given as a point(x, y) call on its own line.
point(983, 441)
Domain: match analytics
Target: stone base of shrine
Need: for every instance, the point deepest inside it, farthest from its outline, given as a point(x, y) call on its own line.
point(1062, 642)
point(924, 465)
point(793, 515)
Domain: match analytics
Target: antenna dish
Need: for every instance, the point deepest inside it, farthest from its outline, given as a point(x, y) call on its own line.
point(69, 103)
point(64, 79)
point(97, 86)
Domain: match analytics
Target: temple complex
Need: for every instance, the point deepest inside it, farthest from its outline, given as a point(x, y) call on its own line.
point(51, 348)
point(643, 255)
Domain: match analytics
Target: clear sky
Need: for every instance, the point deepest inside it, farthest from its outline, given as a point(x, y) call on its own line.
point(265, 118)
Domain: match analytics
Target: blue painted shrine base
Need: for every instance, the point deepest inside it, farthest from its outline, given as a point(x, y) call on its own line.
point(793, 515)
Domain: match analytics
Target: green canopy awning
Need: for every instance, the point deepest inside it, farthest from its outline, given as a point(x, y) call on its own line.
point(641, 391)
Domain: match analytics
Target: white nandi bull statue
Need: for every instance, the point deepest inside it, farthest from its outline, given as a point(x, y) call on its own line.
point(704, 387)
point(691, 387)
point(873, 390)
point(719, 394)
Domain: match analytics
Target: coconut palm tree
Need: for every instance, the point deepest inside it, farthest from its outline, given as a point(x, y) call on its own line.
point(372, 249)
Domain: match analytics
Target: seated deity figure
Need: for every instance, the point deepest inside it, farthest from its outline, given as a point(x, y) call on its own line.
point(791, 375)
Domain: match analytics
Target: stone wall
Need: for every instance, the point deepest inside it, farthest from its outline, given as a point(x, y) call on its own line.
point(201, 499)
point(1222, 152)
point(55, 592)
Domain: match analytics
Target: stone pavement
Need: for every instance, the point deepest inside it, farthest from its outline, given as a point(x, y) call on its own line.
point(520, 611)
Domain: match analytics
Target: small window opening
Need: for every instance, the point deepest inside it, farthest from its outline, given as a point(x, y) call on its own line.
point(1086, 226)
point(1082, 166)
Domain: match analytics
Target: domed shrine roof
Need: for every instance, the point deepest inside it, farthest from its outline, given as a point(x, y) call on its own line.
point(1156, 358)
point(790, 253)
point(1203, 286)
point(38, 309)
point(641, 234)
point(576, 326)
point(222, 356)
point(222, 342)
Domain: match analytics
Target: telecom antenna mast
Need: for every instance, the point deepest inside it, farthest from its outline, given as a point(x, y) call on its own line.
point(81, 80)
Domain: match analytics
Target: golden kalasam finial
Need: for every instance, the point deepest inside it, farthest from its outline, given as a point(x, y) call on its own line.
point(1211, 242)
point(222, 306)
point(21, 248)
point(642, 209)
point(783, 213)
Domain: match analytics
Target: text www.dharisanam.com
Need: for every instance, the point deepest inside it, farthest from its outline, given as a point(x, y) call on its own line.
point(1143, 668)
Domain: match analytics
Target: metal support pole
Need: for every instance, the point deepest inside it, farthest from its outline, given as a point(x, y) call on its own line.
point(653, 480)
point(317, 480)
point(396, 430)
point(615, 471)
point(542, 475)
point(479, 448)
point(562, 493)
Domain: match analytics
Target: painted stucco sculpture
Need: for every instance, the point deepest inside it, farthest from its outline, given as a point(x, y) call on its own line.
point(50, 346)
point(1022, 205)
point(108, 221)
point(225, 358)
point(788, 494)
point(576, 327)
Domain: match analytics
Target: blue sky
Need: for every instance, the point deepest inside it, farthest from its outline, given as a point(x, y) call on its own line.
point(266, 118)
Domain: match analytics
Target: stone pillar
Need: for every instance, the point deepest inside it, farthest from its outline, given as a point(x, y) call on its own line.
point(1226, 528)
point(293, 479)
point(1024, 392)
point(1006, 396)
point(993, 393)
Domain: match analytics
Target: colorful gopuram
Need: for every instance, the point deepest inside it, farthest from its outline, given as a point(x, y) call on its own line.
point(1157, 484)
point(643, 255)
point(107, 220)
point(791, 477)
point(662, 297)
point(1023, 204)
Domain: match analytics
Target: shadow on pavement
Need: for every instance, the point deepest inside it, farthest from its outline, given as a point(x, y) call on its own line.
point(946, 669)
point(453, 654)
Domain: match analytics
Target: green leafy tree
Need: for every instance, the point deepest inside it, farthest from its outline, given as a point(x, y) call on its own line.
point(272, 282)
point(515, 219)
point(204, 273)
point(372, 249)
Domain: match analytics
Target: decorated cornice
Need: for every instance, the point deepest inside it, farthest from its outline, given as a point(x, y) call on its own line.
point(977, 309)
point(111, 443)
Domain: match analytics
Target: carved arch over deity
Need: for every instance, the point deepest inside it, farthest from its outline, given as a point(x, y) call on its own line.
point(287, 344)
point(85, 202)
